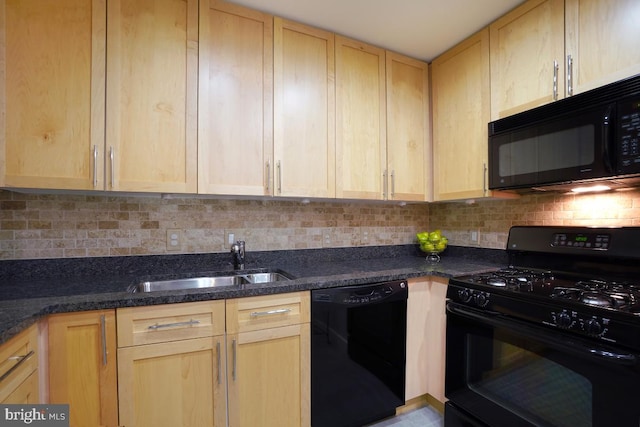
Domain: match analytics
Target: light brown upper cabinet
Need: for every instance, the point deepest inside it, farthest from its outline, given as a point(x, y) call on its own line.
point(602, 41)
point(152, 92)
point(361, 131)
point(52, 93)
point(235, 126)
point(545, 50)
point(527, 57)
point(408, 136)
point(461, 110)
point(304, 111)
point(53, 135)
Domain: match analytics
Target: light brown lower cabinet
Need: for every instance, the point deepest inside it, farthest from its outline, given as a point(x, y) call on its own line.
point(19, 368)
point(426, 338)
point(177, 383)
point(82, 366)
point(175, 367)
point(171, 365)
point(269, 361)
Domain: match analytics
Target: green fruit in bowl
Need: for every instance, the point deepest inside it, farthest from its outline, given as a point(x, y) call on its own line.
point(427, 247)
point(423, 237)
point(432, 242)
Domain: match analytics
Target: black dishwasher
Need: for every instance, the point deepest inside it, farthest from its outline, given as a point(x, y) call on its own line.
point(358, 349)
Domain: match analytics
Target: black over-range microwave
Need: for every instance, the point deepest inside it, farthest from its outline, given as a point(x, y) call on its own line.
point(590, 138)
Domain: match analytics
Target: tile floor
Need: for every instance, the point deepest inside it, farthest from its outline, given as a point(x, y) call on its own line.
point(426, 416)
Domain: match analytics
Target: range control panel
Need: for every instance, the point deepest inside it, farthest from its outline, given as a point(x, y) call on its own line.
point(596, 241)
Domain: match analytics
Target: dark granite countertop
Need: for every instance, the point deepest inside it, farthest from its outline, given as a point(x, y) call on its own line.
point(32, 289)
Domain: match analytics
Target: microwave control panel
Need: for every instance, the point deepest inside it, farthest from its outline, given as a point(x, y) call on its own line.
point(629, 135)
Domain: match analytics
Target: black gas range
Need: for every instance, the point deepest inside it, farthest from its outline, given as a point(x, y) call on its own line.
point(582, 280)
point(562, 320)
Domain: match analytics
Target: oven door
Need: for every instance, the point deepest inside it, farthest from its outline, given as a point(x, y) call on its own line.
point(504, 372)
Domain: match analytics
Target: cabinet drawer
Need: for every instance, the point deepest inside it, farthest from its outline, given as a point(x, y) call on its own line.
point(268, 311)
point(18, 360)
point(25, 394)
point(170, 322)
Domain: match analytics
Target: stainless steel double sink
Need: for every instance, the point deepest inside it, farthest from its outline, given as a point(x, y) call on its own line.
point(209, 282)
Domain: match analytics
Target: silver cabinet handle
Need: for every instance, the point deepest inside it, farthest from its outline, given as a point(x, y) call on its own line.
point(95, 166)
point(218, 357)
point(112, 159)
point(174, 325)
point(279, 171)
point(234, 359)
point(555, 80)
point(384, 185)
point(569, 75)
point(393, 184)
point(21, 360)
point(270, 312)
point(268, 173)
point(103, 331)
point(484, 178)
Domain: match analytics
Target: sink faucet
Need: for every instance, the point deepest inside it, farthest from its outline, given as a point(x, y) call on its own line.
point(237, 249)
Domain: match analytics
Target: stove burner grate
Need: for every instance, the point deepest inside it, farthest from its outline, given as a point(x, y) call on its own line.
point(599, 293)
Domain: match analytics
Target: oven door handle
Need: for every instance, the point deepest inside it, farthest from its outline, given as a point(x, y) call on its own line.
point(565, 343)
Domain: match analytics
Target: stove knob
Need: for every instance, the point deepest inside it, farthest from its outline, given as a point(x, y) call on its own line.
point(481, 299)
point(465, 295)
point(563, 320)
point(593, 327)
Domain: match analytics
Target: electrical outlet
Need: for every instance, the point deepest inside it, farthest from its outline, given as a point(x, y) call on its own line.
point(174, 239)
point(326, 238)
point(364, 237)
point(474, 237)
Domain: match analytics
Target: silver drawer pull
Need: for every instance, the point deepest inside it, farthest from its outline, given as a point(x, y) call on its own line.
point(20, 359)
point(270, 312)
point(174, 325)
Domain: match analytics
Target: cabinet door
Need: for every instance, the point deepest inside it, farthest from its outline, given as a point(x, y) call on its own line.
point(82, 366)
point(426, 337)
point(408, 137)
point(152, 58)
point(172, 384)
point(269, 377)
point(460, 84)
point(52, 93)
point(602, 41)
point(361, 140)
point(527, 57)
point(304, 110)
point(235, 126)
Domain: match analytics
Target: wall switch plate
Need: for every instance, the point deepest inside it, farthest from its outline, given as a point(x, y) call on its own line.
point(174, 239)
point(475, 237)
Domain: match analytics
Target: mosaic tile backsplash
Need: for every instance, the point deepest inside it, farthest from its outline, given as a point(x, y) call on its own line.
point(491, 219)
point(61, 226)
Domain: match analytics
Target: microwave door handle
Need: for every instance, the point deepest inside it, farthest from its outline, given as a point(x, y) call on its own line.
point(607, 140)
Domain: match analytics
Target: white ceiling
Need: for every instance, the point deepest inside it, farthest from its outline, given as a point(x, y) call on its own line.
point(422, 29)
